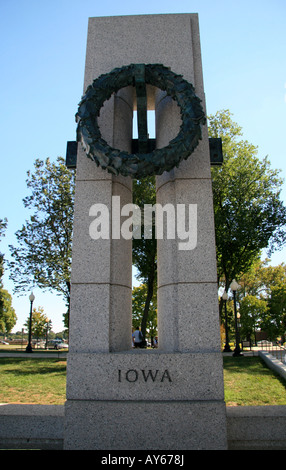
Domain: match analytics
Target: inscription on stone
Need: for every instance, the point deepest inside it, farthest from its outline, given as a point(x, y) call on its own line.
point(134, 375)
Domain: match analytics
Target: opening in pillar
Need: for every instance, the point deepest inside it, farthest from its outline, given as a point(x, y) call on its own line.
point(144, 288)
point(144, 249)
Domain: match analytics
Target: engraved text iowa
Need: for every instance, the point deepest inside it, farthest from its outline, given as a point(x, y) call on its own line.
point(134, 375)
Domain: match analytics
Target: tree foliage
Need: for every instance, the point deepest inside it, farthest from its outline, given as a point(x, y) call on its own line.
point(3, 226)
point(40, 323)
point(252, 311)
point(275, 322)
point(145, 250)
point(249, 214)
point(43, 254)
point(8, 316)
point(262, 300)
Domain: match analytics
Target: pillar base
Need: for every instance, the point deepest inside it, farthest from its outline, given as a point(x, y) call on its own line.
point(141, 425)
point(141, 400)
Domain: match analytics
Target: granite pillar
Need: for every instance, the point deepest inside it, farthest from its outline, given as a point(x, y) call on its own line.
point(176, 393)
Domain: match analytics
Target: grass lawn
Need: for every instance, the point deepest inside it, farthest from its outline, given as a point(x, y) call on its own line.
point(33, 380)
point(248, 381)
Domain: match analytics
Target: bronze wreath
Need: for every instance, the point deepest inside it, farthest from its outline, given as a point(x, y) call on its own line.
point(139, 165)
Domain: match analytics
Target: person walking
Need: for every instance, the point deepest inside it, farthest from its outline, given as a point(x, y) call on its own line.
point(137, 338)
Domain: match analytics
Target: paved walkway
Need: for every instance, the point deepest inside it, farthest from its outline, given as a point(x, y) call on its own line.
point(254, 351)
point(51, 354)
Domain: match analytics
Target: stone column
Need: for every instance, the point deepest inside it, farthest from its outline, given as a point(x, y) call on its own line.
point(101, 282)
point(173, 397)
point(187, 274)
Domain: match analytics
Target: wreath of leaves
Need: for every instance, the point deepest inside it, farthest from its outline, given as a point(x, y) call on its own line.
point(139, 165)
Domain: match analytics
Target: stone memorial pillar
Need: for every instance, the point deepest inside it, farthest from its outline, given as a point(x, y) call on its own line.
point(171, 398)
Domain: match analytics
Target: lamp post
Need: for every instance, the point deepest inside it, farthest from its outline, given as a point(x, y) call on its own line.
point(226, 346)
point(237, 351)
point(29, 347)
point(47, 332)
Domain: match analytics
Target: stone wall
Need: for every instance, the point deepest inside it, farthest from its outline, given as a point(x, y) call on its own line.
point(42, 427)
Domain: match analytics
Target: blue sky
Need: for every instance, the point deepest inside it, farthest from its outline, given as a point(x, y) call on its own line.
point(42, 47)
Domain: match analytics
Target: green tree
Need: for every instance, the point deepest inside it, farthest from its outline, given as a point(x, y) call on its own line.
point(256, 280)
point(145, 250)
point(252, 312)
point(265, 285)
point(139, 295)
point(43, 254)
point(249, 214)
point(8, 316)
point(275, 323)
point(3, 226)
point(39, 323)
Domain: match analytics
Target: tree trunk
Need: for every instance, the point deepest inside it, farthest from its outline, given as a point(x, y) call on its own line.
point(150, 290)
